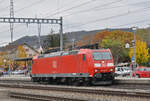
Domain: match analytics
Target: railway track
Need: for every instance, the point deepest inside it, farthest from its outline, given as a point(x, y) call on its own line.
point(34, 97)
point(119, 90)
point(85, 90)
point(118, 86)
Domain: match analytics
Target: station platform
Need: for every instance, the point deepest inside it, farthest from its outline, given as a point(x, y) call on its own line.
point(132, 80)
point(16, 77)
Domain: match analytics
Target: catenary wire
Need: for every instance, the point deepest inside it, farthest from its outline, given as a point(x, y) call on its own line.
point(114, 16)
point(71, 8)
point(100, 8)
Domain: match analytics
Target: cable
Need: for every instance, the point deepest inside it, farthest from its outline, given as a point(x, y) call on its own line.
point(1, 1)
point(115, 16)
point(61, 8)
point(100, 6)
point(91, 9)
point(31, 5)
point(133, 23)
point(82, 4)
point(17, 26)
point(2, 43)
point(28, 6)
point(3, 9)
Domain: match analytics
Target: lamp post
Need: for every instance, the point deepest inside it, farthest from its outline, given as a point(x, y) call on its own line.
point(134, 49)
point(73, 44)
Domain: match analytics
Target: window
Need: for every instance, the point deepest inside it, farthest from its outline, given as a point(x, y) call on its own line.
point(65, 53)
point(141, 69)
point(102, 56)
point(147, 69)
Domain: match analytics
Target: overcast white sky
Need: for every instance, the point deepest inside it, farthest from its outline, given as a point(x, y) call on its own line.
point(77, 15)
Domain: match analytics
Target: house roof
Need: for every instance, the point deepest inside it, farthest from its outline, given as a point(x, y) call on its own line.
point(13, 48)
point(30, 47)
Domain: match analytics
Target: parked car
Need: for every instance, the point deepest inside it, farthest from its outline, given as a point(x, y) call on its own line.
point(6, 72)
point(17, 72)
point(122, 71)
point(142, 72)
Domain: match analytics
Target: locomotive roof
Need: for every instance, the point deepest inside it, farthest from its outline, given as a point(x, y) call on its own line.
point(62, 53)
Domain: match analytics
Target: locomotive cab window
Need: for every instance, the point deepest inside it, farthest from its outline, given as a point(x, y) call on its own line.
point(65, 53)
point(102, 56)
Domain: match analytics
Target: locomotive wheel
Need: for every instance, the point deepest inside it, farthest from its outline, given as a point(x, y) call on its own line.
point(33, 79)
point(50, 80)
point(86, 82)
point(77, 81)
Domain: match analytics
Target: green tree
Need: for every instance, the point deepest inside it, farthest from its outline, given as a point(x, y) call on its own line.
point(118, 51)
point(116, 41)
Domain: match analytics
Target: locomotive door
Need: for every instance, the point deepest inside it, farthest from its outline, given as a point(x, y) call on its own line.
point(81, 63)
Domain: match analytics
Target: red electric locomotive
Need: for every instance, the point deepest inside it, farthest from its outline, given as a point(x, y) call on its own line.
point(84, 66)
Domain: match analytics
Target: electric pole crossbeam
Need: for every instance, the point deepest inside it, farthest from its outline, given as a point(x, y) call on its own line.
point(37, 21)
point(30, 20)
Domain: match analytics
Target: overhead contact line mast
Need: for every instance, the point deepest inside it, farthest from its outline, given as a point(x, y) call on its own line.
point(37, 21)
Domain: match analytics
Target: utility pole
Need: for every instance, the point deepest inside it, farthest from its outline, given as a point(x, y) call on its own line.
point(11, 27)
point(61, 34)
point(37, 21)
point(134, 49)
point(73, 44)
point(11, 16)
point(39, 34)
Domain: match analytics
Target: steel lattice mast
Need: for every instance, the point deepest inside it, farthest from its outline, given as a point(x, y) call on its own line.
point(11, 16)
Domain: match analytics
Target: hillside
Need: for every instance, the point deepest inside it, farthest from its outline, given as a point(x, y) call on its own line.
point(78, 35)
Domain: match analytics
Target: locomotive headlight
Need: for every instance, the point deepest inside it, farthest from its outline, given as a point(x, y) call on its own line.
point(110, 64)
point(96, 70)
point(110, 70)
point(97, 65)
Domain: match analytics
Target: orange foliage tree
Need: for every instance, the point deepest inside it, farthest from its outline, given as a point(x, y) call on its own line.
point(99, 36)
point(21, 53)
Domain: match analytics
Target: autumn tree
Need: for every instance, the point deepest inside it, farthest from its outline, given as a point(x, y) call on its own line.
point(4, 61)
point(116, 41)
point(142, 54)
point(99, 36)
point(86, 41)
point(21, 53)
